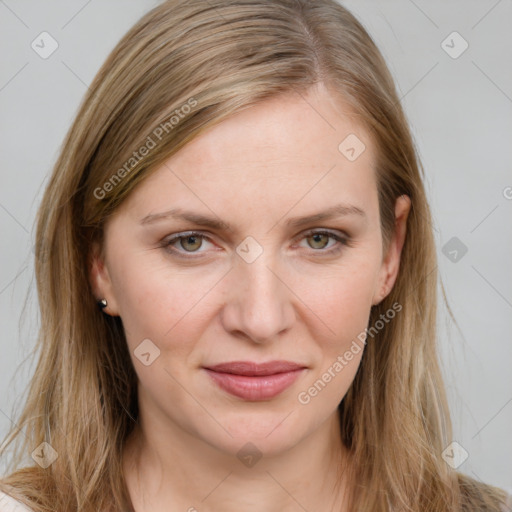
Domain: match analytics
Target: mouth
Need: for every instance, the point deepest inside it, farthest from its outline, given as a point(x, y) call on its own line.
point(255, 382)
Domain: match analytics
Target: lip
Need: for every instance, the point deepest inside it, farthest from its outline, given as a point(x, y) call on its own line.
point(255, 381)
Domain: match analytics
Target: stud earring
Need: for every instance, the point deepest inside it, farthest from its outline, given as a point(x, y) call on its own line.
point(102, 304)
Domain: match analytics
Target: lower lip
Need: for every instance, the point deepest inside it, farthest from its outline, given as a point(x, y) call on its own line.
point(263, 387)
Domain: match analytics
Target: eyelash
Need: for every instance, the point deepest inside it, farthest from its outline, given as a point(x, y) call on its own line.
point(335, 249)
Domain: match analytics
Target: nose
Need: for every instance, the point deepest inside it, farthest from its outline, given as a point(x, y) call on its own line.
point(260, 302)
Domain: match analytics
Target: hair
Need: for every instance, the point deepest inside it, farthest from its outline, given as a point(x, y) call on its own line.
point(183, 68)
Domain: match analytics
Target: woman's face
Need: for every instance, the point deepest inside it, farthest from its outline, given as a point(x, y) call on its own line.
point(249, 280)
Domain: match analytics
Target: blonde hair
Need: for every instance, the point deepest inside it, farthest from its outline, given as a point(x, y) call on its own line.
point(219, 57)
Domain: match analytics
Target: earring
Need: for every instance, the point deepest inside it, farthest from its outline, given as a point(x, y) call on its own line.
point(102, 304)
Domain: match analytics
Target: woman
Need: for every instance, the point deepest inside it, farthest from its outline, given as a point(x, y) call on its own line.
point(241, 197)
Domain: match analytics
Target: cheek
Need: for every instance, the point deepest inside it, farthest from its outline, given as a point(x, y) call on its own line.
point(343, 300)
point(342, 305)
point(342, 296)
point(158, 301)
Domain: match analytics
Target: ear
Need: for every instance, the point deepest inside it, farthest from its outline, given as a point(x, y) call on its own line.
point(391, 262)
point(99, 278)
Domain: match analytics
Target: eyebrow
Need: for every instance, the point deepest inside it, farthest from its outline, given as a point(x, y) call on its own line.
point(340, 210)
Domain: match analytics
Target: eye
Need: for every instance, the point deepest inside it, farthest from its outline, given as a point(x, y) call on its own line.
point(319, 241)
point(188, 244)
point(185, 242)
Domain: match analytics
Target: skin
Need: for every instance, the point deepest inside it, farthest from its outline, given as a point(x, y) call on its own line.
point(276, 160)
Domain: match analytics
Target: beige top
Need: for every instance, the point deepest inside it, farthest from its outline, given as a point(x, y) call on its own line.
point(9, 504)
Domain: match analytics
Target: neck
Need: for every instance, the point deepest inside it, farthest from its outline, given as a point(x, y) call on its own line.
point(170, 469)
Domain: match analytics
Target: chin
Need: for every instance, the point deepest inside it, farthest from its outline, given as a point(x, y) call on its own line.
point(269, 433)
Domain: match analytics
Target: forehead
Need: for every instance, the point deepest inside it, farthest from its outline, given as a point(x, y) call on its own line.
point(303, 130)
point(294, 149)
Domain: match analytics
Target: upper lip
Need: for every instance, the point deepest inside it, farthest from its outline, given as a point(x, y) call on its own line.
point(250, 368)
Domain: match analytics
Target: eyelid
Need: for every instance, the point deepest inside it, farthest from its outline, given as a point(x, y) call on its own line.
point(336, 234)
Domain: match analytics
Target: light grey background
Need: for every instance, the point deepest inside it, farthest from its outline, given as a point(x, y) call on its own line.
point(460, 110)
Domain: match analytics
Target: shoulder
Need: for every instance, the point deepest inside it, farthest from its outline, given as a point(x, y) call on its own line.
point(9, 504)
